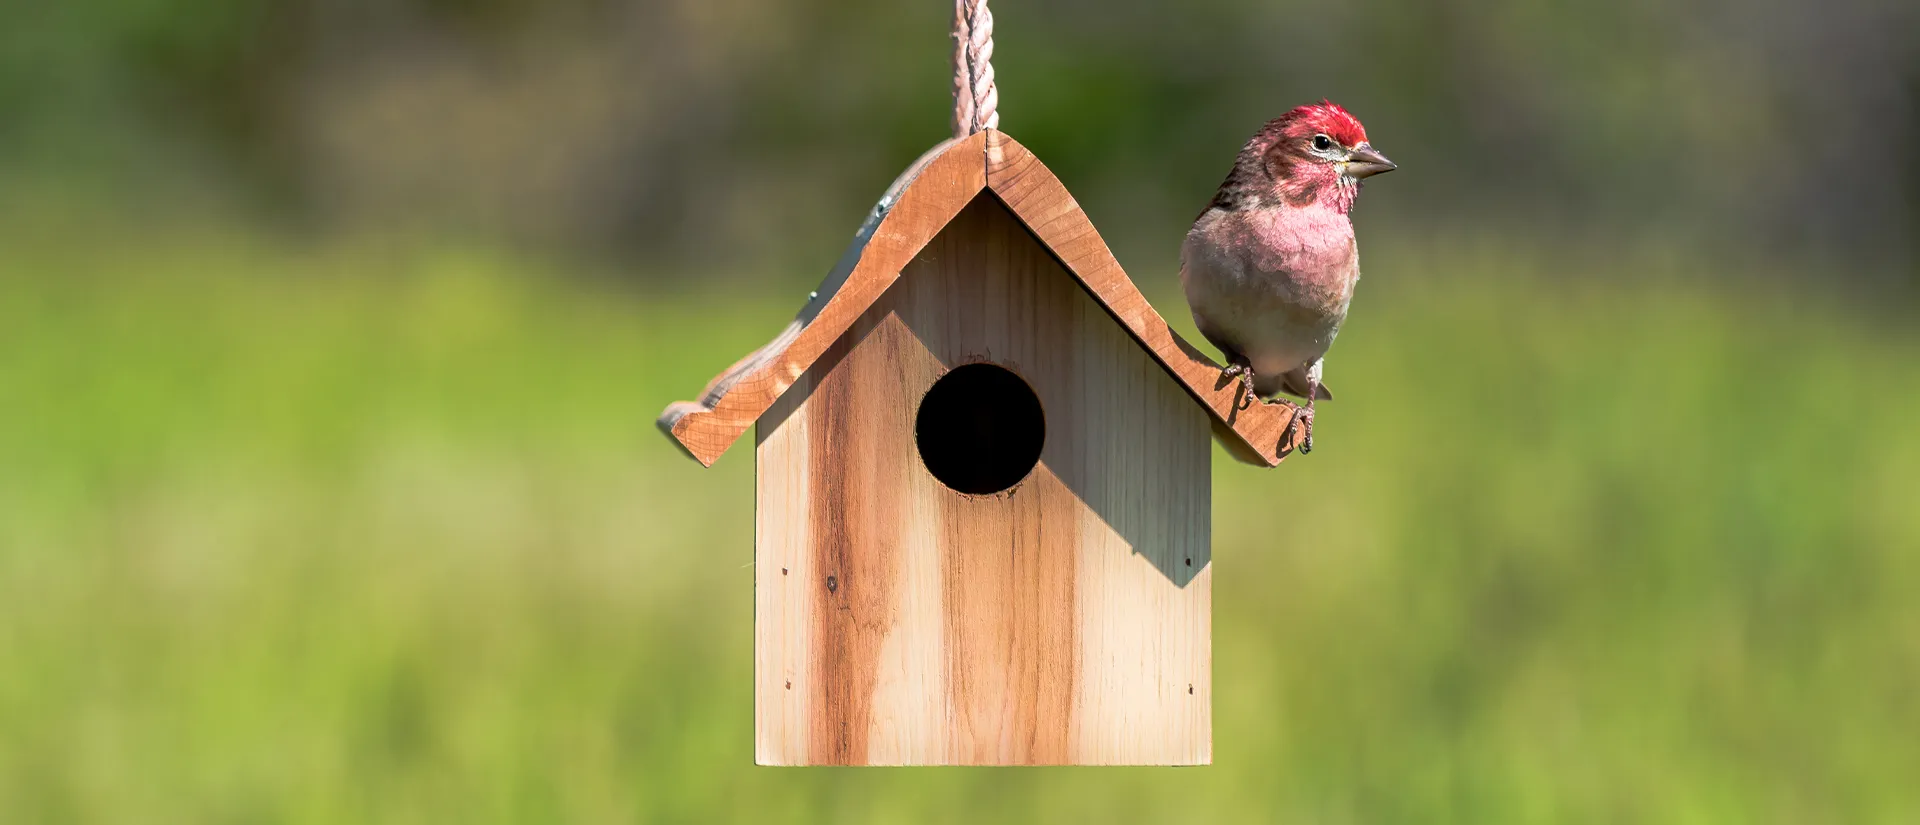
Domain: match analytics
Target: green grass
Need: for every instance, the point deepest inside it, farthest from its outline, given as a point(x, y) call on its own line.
point(376, 537)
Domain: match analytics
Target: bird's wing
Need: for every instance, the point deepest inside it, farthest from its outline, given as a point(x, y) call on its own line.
point(1193, 281)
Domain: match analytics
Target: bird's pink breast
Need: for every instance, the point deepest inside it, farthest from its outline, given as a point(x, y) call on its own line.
point(1273, 281)
point(1310, 247)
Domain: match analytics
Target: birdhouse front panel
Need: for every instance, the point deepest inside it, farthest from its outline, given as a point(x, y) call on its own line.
point(983, 528)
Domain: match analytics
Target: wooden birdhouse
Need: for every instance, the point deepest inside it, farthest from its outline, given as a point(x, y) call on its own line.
point(983, 503)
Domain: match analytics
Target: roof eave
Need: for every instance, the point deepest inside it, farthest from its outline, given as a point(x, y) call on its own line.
point(919, 204)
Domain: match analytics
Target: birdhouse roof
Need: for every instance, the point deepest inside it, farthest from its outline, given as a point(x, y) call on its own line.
point(919, 204)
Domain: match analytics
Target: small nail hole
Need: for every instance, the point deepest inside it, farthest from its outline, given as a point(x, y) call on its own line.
point(783, 571)
point(833, 584)
point(1189, 688)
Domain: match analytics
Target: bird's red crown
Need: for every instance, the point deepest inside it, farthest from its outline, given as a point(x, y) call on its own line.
point(1325, 117)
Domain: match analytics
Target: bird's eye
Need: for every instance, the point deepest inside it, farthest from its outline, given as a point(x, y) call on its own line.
point(1322, 142)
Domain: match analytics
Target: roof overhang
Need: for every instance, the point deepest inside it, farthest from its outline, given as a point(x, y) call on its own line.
point(919, 204)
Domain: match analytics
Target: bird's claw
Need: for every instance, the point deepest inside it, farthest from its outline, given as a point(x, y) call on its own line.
point(1245, 373)
point(1303, 418)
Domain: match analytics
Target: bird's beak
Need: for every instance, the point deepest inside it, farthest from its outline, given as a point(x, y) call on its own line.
point(1365, 162)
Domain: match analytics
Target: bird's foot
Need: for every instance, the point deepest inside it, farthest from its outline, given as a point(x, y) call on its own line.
point(1303, 418)
point(1245, 374)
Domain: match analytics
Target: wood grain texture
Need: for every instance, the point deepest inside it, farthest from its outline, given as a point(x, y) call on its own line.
point(920, 202)
point(1259, 434)
point(1063, 621)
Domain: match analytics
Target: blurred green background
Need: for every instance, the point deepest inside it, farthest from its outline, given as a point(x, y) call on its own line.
point(331, 332)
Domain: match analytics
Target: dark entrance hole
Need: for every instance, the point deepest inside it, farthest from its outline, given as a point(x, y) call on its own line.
point(980, 429)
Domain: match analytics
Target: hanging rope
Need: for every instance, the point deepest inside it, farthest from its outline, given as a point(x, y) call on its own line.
point(976, 103)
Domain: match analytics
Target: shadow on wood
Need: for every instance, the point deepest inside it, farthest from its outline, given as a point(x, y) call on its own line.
point(1060, 618)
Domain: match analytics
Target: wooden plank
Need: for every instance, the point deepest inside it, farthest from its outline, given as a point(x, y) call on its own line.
point(929, 194)
point(918, 204)
point(1047, 209)
point(1063, 621)
point(782, 615)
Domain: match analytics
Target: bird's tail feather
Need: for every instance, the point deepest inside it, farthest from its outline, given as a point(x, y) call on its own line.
point(1295, 384)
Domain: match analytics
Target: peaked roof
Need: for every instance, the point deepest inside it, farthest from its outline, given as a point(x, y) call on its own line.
point(918, 205)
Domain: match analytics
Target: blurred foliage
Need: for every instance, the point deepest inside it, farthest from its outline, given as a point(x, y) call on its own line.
point(736, 135)
point(359, 536)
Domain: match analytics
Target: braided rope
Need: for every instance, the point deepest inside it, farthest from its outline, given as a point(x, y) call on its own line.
point(976, 102)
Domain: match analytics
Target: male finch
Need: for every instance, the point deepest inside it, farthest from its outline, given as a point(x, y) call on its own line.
point(1269, 267)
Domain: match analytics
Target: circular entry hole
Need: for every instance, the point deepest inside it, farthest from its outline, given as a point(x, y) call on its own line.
point(980, 429)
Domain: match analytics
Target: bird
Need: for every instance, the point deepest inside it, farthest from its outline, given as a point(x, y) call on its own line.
point(1270, 265)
